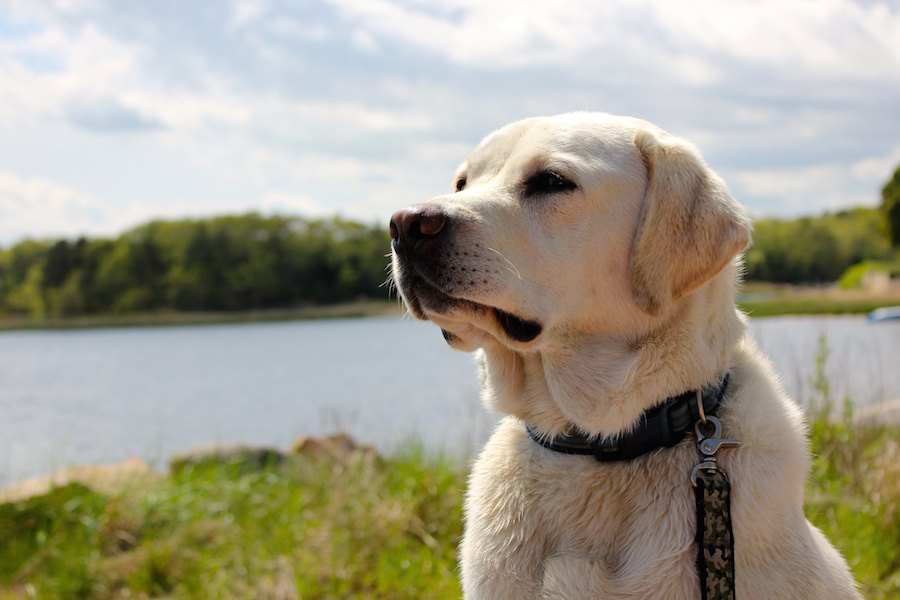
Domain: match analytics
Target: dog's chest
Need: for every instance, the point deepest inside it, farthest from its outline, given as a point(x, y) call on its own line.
point(642, 567)
point(573, 578)
point(564, 526)
point(620, 532)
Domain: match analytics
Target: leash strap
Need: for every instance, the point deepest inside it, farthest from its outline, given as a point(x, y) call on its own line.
point(712, 492)
point(715, 538)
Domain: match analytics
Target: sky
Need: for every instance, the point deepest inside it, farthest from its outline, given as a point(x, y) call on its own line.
point(114, 113)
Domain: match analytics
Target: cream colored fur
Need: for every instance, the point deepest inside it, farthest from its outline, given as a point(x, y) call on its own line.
point(632, 277)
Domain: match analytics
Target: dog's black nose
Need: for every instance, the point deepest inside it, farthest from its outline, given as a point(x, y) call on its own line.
point(415, 229)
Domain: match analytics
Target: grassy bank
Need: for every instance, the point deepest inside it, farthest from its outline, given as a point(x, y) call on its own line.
point(853, 496)
point(361, 528)
point(767, 300)
point(814, 306)
point(364, 527)
point(759, 300)
point(368, 308)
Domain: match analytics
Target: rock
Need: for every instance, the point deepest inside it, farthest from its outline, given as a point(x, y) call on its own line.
point(339, 448)
point(883, 413)
point(105, 479)
point(246, 458)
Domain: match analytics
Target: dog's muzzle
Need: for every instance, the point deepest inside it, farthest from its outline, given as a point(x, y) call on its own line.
point(419, 235)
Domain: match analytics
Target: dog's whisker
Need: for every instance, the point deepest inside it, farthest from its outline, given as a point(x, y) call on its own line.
point(514, 270)
point(388, 282)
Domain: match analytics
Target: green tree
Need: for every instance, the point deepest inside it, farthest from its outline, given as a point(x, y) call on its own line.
point(815, 249)
point(224, 263)
point(130, 274)
point(196, 279)
point(60, 261)
point(67, 273)
point(890, 205)
point(21, 277)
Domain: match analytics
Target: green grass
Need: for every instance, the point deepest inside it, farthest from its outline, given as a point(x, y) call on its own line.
point(813, 306)
point(853, 496)
point(369, 527)
point(311, 529)
point(853, 492)
point(761, 299)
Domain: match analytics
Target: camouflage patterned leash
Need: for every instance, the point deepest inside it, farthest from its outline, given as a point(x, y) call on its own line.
point(715, 538)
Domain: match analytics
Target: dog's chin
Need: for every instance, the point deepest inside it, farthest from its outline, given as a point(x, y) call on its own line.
point(429, 303)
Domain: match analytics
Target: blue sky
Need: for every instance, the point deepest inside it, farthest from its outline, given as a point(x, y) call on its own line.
point(112, 113)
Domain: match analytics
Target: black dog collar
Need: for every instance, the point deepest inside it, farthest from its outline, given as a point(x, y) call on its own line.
point(662, 426)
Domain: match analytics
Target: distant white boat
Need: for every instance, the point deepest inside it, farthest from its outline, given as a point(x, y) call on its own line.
point(887, 313)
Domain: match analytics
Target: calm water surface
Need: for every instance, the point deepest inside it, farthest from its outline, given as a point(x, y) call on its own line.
point(73, 397)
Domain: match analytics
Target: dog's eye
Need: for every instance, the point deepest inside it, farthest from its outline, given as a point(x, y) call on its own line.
point(460, 184)
point(547, 182)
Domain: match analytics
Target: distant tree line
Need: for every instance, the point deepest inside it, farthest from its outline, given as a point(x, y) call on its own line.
point(890, 206)
point(246, 262)
point(817, 249)
point(221, 264)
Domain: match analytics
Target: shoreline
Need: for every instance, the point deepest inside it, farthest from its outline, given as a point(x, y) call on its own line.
point(815, 306)
point(756, 299)
point(110, 473)
point(348, 310)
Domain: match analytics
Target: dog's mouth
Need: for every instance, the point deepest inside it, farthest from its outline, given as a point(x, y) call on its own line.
point(424, 298)
point(517, 328)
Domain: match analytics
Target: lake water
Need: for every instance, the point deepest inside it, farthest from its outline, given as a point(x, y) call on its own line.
point(103, 395)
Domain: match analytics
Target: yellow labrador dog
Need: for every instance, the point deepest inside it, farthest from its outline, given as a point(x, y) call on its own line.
point(591, 261)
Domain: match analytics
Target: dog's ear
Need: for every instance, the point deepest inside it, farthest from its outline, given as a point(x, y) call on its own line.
point(690, 227)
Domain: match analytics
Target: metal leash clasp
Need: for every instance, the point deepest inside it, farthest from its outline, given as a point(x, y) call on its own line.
point(712, 492)
point(709, 441)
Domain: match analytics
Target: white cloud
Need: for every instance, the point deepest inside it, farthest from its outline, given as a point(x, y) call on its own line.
point(485, 34)
point(244, 12)
point(83, 66)
point(364, 41)
point(877, 169)
point(108, 115)
point(30, 205)
point(189, 110)
point(804, 190)
point(361, 107)
point(46, 10)
point(821, 37)
point(296, 28)
point(37, 207)
point(286, 203)
point(358, 116)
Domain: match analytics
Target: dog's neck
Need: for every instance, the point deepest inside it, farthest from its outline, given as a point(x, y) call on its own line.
point(602, 384)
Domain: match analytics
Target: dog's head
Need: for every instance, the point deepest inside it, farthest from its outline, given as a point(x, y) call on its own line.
point(570, 225)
